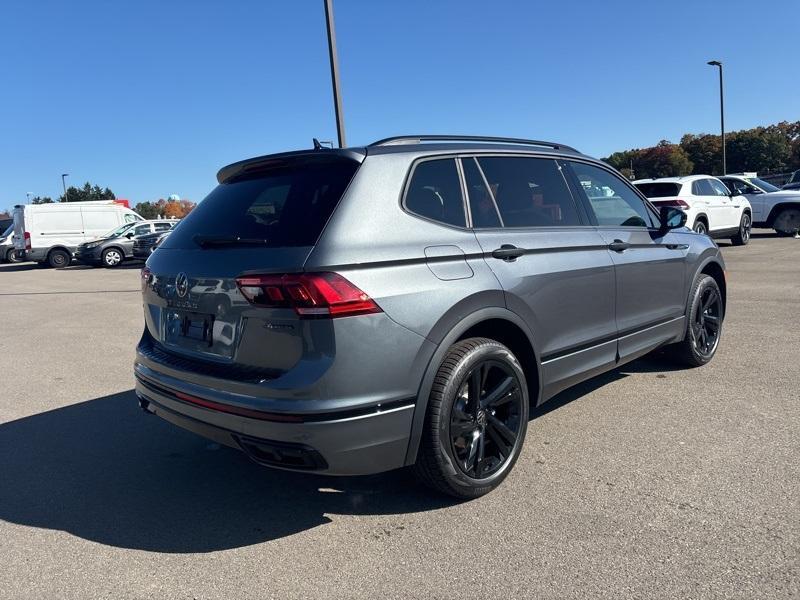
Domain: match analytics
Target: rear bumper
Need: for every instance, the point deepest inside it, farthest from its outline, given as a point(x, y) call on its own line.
point(370, 440)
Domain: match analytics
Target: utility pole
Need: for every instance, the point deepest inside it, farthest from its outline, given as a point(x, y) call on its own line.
point(337, 96)
point(64, 185)
point(716, 63)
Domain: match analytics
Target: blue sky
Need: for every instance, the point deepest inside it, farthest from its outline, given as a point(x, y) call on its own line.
point(151, 98)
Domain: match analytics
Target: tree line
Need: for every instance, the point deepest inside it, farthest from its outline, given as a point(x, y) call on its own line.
point(166, 208)
point(770, 149)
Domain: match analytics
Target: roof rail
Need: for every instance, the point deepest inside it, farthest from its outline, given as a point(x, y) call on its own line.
point(415, 139)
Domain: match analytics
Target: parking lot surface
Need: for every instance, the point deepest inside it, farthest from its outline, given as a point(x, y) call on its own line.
point(651, 481)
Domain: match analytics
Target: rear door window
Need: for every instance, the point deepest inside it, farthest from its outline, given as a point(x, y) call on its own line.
point(284, 206)
point(702, 187)
point(613, 202)
point(435, 192)
point(719, 188)
point(529, 192)
point(162, 226)
point(659, 190)
point(481, 204)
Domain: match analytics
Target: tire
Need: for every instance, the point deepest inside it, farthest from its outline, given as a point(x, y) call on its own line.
point(459, 430)
point(700, 227)
point(112, 257)
point(787, 222)
point(11, 256)
point(742, 236)
point(58, 259)
point(693, 351)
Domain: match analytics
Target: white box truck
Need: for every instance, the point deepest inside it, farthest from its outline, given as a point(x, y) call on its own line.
point(50, 233)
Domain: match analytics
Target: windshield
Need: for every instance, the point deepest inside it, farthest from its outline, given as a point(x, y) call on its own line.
point(285, 206)
point(763, 185)
point(119, 230)
point(659, 190)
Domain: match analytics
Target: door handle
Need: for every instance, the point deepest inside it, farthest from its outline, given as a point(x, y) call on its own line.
point(618, 246)
point(677, 246)
point(508, 252)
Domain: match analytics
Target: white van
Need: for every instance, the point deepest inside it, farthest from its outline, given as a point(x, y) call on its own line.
point(50, 233)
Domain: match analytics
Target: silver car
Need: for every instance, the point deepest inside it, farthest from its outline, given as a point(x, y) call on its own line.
point(352, 311)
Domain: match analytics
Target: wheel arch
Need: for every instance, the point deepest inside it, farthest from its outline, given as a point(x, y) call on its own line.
point(704, 218)
point(496, 323)
point(713, 268)
point(778, 208)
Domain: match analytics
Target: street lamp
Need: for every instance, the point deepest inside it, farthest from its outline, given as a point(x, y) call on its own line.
point(337, 97)
point(64, 185)
point(716, 63)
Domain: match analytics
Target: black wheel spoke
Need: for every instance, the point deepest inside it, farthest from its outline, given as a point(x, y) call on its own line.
point(469, 465)
point(503, 448)
point(481, 454)
point(458, 429)
point(709, 301)
point(499, 394)
point(509, 436)
point(475, 390)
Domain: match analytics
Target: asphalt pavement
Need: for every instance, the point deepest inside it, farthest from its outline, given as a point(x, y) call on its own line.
point(651, 481)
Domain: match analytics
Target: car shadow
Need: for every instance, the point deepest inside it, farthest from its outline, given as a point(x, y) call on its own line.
point(105, 471)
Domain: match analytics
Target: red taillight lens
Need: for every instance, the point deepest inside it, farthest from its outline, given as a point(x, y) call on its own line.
point(146, 277)
point(676, 202)
point(27, 240)
point(309, 294)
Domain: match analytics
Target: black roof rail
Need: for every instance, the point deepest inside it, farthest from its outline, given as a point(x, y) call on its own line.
point(414, 139)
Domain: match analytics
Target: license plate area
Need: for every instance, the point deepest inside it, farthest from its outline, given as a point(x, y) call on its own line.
point(189, 329)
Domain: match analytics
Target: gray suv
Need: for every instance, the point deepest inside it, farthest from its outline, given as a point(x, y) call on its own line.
point(351, 311)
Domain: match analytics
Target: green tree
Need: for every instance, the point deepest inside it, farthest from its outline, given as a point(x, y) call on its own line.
point(87, 193)
point(705, 152)
point(664, 160)
point(41, 200)
point(147, 210)
point(759, 149)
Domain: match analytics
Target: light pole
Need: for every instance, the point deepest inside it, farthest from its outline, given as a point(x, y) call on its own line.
point(64, 185)
point(337, 96)
point(716, 63)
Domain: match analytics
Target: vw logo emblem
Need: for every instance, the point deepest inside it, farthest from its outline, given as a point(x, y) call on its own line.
point(182, 285)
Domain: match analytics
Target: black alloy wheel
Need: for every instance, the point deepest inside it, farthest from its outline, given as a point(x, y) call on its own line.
point(485, 421)
point(706, 322)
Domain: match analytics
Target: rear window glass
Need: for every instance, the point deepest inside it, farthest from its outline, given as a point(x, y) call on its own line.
point(435, 192)
point(659, 190)
point(287, 206)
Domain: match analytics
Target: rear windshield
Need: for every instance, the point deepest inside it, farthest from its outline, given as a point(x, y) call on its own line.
point(659, 190)
point(285, 206)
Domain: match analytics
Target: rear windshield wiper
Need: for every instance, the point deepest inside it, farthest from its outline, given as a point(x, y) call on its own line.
point(211, 241)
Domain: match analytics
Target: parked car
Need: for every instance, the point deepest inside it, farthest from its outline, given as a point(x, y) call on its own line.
point(50, 233)
point(144, 245)
point(772, 207)
point(7, 251)
point(794, 182)
point(6, 223)
point(351, 311)
point(709, 206)
point(116, 246)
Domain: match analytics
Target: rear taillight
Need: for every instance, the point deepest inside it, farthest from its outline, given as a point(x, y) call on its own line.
point(146, 277)
point(317, 295)
point(27, 240)
point(676, 202)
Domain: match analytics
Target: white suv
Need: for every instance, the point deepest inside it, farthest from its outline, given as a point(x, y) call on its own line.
point(709, 206)
point(772, 207)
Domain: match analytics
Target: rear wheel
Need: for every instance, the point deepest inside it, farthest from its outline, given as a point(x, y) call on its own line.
point(11, 256)
point(112, 257)
point(788, 221)
point(704, 329)
point(58, 258)
point(743, 235)
point(476, 419)
point(700, 227)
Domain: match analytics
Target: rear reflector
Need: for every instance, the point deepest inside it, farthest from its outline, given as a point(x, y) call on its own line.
point(311, 295)
point(27, 240)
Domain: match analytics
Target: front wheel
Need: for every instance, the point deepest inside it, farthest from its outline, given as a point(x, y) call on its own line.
point(476, 419)
point(787, 222)
point(112, 257)
point(704, 327)
point(700, 227)
point(743, 235)
point(12, 256)
point(58, 259)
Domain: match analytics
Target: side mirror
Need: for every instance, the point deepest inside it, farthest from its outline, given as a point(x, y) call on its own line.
point(129, 235)
point(672, 218)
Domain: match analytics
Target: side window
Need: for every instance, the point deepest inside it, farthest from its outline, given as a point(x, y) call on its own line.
point(481, 203)
point(529, 192)
point(162, 226)
point(719, 189)
point(612, 201)
point(130, 218)
point(702, 187)
point(141, 229)
point(435, 192)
